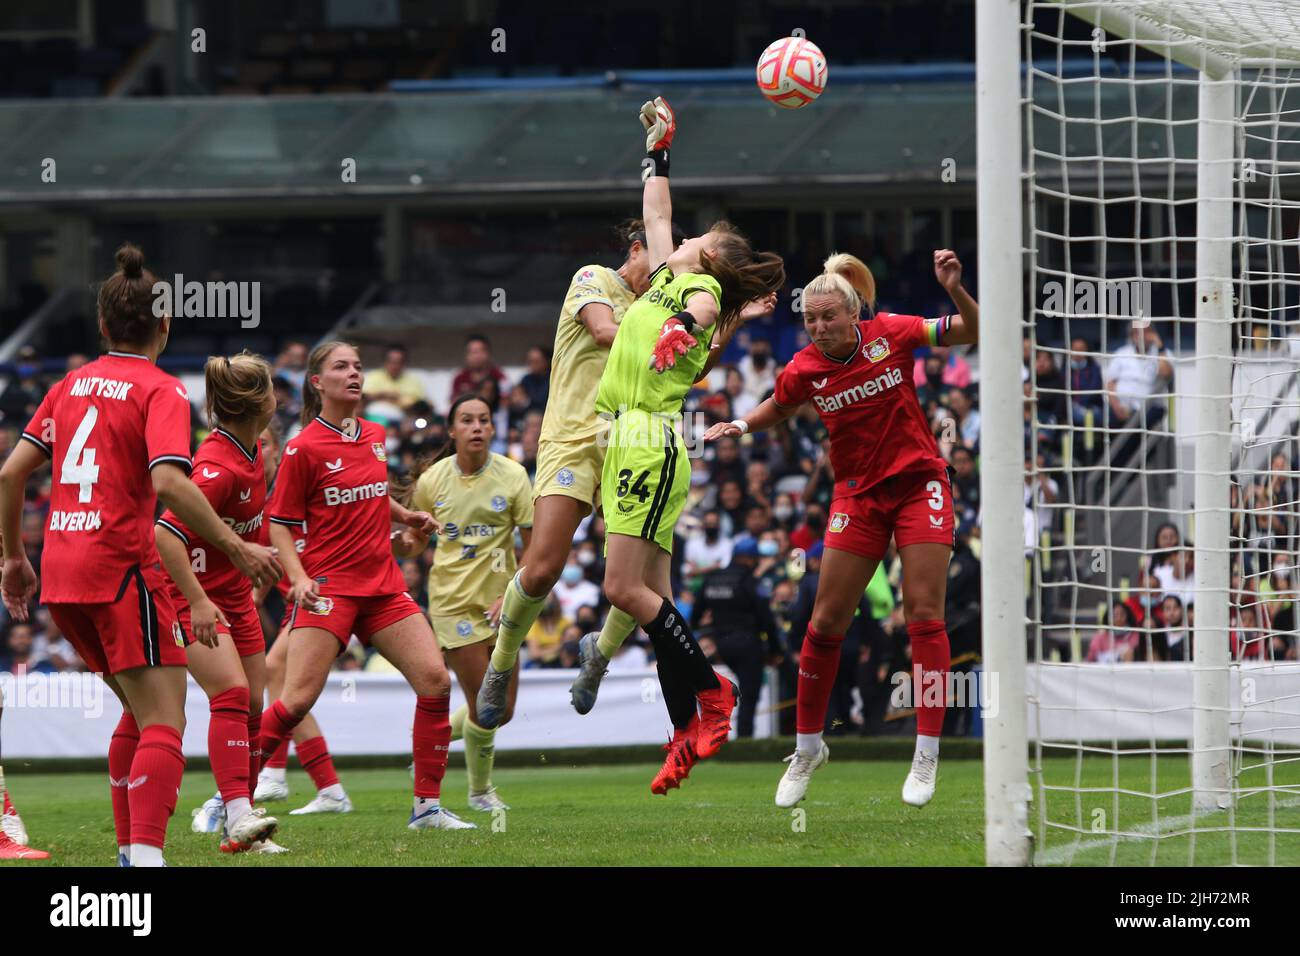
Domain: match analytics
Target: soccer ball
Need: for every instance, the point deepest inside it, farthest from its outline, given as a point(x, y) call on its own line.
point(792, 72)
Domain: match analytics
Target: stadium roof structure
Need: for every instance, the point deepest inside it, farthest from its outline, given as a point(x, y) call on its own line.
point(554, 140)
point(879, 127)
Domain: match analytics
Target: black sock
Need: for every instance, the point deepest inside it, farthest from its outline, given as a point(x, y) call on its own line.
point(673, 641)
point(678, 696)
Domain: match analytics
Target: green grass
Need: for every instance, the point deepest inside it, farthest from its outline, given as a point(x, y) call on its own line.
point(1144, 807)
point(606, 816)
point(588, 816)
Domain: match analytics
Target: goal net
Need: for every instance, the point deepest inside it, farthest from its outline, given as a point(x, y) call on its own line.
point(1160, 353)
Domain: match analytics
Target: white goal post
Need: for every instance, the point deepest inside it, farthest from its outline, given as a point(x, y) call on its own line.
point(1151, 144)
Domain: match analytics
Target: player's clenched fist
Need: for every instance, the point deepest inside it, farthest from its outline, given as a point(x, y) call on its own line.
point(947, 268)
point(660, 124)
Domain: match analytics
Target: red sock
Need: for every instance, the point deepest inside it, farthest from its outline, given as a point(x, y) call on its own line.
point(819, 661)
point(228, 742)
point(931, 658)
point(316, 760)
point(280, 759)
point(277, 727)
point(121, 751)
point(429, 741)
point(155, 783)
point(254, 748)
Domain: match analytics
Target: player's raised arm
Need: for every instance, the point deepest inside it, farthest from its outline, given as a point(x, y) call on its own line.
point(963, 329)
point(657, 208)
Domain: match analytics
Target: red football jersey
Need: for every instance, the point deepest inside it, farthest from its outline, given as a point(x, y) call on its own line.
point(104, 427)
point(337, 485)
point(299, 543)
point(234, 482)
point(868, 401)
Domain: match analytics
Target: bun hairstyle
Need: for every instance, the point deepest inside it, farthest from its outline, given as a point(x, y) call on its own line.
point(237, 387)
point(743, 273)
point(311, 399)
point(126, 300)
point(848, 277)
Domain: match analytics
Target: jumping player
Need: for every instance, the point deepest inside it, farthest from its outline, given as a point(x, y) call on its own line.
point(117, 431)
point(697, 292)
point(889, 481)
point(478, 498)
point(567, 481)
point(214, 602)
point(333, 480)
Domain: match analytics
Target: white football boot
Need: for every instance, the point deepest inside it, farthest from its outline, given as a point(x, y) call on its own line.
point(794, 782)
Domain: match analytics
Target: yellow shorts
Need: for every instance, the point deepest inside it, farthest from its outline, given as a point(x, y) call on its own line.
point(570, 468)
point(462, 630)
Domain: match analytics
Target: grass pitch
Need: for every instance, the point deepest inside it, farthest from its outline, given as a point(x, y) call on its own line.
point(723, 816)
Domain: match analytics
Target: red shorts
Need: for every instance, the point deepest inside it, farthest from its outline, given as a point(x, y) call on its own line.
point(245, 628)
point(345, 615)
point(139, 629)
point(914, 508)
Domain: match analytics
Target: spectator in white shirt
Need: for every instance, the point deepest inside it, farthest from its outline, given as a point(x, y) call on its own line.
point(758, 370)
point(574, 591)
point(742, 402)
point(1041, 492)
point(1134, 372)
point(708, 549)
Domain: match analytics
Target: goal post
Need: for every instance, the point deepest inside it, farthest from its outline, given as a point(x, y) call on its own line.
point(1215, 151)
point(999, 237)
point(1145, 461)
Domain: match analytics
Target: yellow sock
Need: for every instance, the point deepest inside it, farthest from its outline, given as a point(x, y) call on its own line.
point(618, 625)
point(458, 718)
point(480, 753)
point(517, 615)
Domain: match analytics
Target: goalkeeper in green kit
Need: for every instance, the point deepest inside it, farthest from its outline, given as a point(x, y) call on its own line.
point(700, 293)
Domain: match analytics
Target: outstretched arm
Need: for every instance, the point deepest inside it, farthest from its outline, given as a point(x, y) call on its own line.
point(767, 415)
point(656, 206)
point(965, 328)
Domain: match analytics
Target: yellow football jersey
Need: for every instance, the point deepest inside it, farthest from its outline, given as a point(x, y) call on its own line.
point(474, 558)
point(577, 362)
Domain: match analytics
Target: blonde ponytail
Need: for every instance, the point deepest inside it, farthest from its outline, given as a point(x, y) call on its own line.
point(848, 277)
point(237, 387)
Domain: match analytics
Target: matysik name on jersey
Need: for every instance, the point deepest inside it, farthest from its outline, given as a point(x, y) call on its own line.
point(874, 386)
point(347, 496)
point(74, 520)
point(100, 387)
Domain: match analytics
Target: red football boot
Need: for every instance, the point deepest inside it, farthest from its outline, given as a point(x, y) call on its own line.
point(715, 717)
point(9, 850)
point(681, 758)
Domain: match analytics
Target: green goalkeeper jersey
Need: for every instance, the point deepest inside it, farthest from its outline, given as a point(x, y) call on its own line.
point(629, 382)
